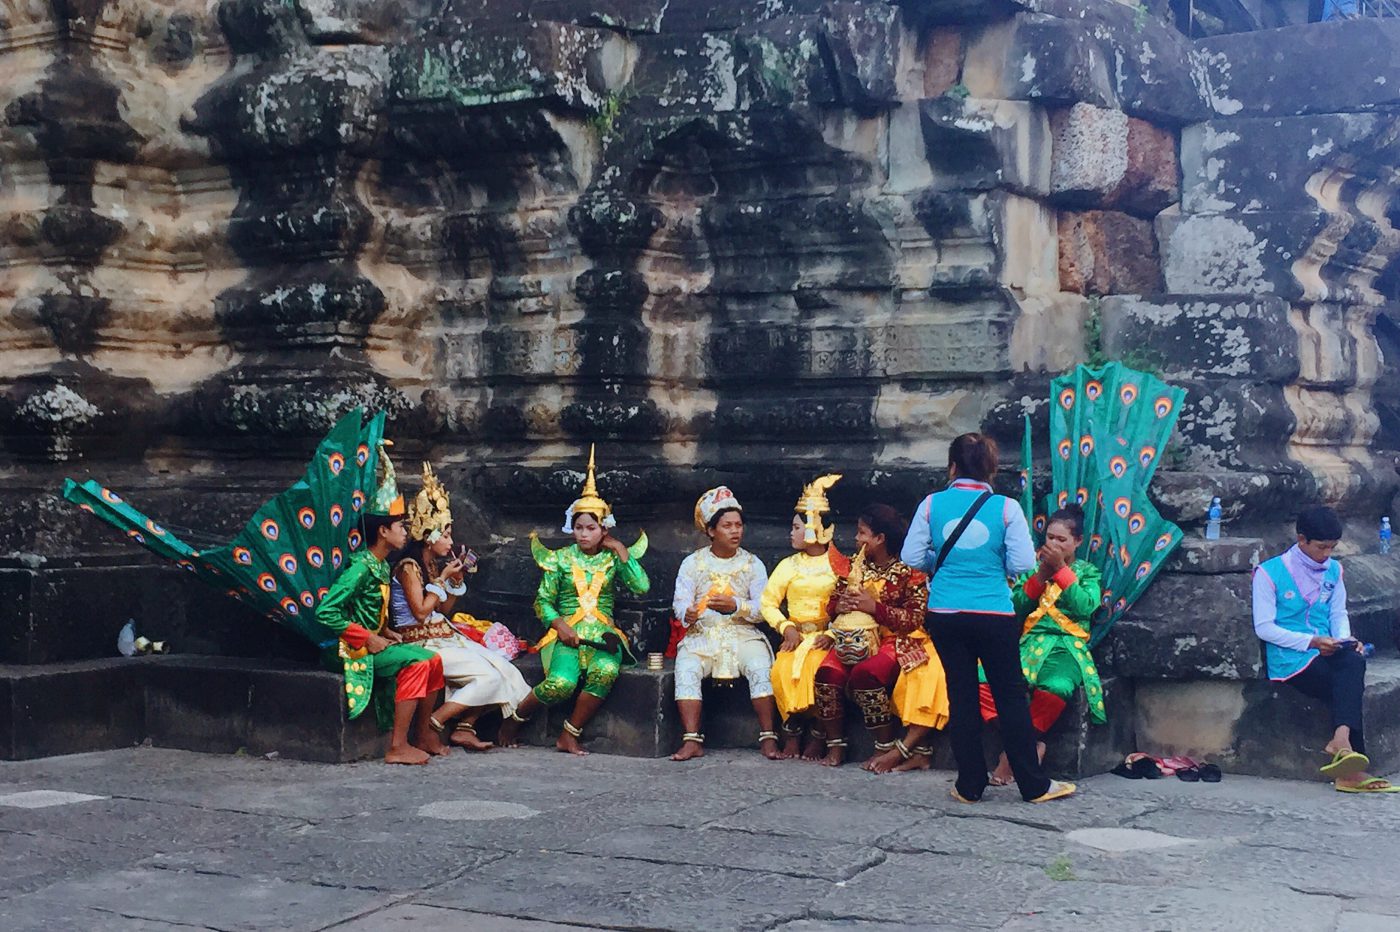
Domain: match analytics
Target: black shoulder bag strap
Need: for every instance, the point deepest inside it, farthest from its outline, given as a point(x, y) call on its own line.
point(948, 544)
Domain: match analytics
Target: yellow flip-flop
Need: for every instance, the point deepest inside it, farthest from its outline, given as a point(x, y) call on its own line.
point(1373, 785)
point(1059, 789)
point(1344, 764)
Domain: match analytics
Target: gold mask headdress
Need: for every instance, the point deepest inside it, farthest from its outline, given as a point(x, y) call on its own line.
point(712, 503)
point(812, 505)
point(431, 513)
point(589, 501)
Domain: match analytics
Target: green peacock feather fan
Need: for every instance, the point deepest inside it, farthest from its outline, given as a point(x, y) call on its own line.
point(1108, 429)
point(284, 560)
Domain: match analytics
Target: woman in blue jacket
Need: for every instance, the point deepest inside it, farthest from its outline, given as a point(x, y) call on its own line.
point(970, 616)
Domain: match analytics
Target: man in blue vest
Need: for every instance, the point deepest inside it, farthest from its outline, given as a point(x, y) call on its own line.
point(1300, 612)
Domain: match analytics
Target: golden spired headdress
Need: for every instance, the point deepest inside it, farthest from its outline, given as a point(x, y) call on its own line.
point(589, 501)
point(431, 513)
point(813, 504)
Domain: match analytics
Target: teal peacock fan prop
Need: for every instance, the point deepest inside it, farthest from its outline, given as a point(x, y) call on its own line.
point(1108, 428)
point(284, 560)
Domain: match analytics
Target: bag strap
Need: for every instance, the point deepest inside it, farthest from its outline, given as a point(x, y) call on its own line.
point(948, 544)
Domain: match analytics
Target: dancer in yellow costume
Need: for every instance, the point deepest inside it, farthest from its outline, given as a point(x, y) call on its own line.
point(575, 600)
point(805, 582)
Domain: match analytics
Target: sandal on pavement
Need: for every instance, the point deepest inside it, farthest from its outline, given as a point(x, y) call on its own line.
point(1344, 764)
point(960, 797)
point(1210, 773)
point(1058, 790)
point(1373, 785)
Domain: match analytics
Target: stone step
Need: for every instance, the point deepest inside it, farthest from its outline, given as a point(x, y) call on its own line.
point(230, 705)
point(1260, 727)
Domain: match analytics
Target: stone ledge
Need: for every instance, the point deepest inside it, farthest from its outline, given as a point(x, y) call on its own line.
point(1262, 727)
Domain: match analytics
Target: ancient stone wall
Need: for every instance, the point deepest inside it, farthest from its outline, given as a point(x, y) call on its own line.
point(729, 241)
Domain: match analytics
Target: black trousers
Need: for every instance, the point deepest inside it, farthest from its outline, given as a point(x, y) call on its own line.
point(1338, 680)
point(962, 639)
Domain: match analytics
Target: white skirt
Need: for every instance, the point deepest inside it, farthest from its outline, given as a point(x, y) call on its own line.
point(478, 676)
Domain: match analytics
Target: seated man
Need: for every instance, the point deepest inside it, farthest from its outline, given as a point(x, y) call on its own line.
point(373, 664)
point(1300, 612)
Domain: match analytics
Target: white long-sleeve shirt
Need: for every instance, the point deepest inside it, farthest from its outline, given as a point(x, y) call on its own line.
point(1307, 575)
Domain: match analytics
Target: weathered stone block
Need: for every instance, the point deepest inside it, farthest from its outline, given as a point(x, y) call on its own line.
point(1243, 165)
point(70, 708)
point(1105, 252)
point(864, 43)
point(1096, 53)
point(983, 144)
point(1194, 339)
point(1104, 158)
point(1331, 67)
point(1260, 727)
point(1187, 627)
point(1215, 557)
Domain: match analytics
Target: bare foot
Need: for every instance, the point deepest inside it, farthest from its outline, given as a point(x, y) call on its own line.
point(1355, 779)
point(1003, 776)
point(408, 754)
point(570, 745)
point(814, 747)
point(917, 762)
point(509, 734)
point(883, 762)
point(468, 739)
point(768, 747)
point(429, 742)
point(792, 747)
point(689, 750)
point(835, 757)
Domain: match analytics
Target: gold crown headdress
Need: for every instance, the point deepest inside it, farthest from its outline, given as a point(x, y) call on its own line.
point(589, 501)
point(812, 505)
point(712, 503)
point(431, 513)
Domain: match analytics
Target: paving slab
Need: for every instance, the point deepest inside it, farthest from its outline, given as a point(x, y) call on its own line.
point(609, 892)
point(717, 847)
point(532, 840)
point(208, 900)
point(1073, 906)
point(414, 917)
point(980, 896)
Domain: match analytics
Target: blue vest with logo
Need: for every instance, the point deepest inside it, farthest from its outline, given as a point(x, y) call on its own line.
point(1293, 613)
point(973, 578)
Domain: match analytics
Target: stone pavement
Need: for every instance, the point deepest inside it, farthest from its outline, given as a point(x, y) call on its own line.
point(518, 841)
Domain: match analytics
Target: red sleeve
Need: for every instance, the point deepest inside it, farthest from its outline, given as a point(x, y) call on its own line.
point(1033, 587)
point(1065, 578)
point(902, 610)
point(355, 636)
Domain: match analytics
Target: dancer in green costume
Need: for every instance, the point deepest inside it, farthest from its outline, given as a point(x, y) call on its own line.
point(286, 562)
point(575, 600)
point(1055, 602)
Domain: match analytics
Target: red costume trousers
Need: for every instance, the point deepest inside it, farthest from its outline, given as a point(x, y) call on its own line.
point(868, 682)
point(1045, 707)
point(419, 679)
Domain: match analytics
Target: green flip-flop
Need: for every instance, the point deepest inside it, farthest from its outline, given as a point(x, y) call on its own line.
point(1344, 764)
point(1373, 785)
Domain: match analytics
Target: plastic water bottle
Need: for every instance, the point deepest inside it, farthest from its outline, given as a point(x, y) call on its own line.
point(1213, 520)
point(1368, 649)
point(1385, 535)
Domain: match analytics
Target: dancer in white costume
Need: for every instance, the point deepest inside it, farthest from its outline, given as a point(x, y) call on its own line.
point(716, 598)
point(426, 584)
